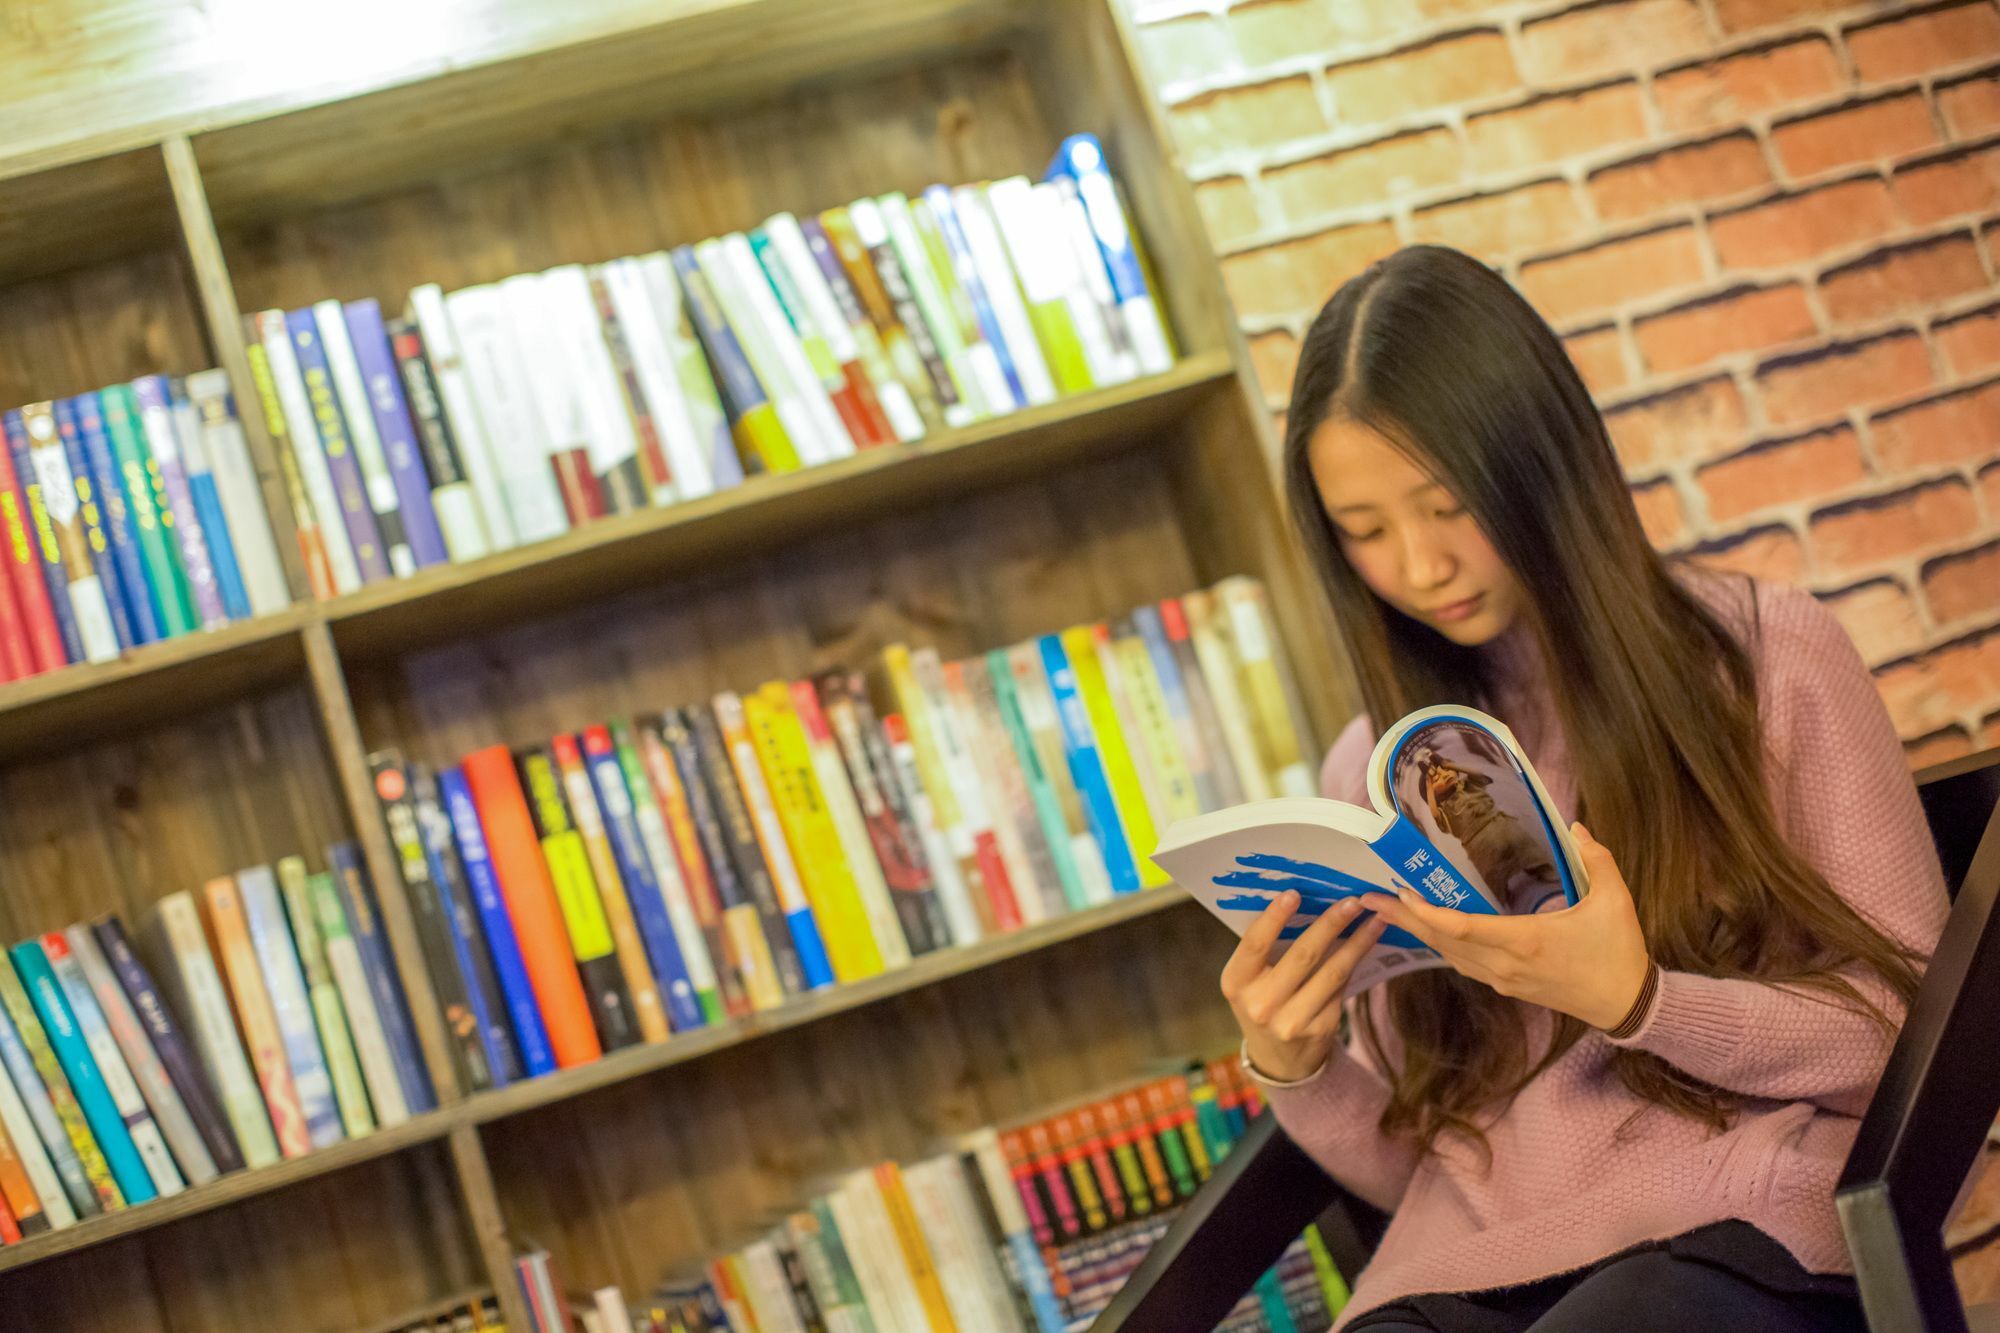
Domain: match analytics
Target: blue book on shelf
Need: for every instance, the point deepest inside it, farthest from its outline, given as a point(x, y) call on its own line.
point(278, 960)
point(642, 886)
point(90, 509)
point(113, 1137)
point(207, 499)
point(133, 583)
point(945, 208)
point(49, 1129)
point(530, 1033)
point(358, 897)
point(468, 939)
point(54, 577)
point(1086, 768)
point(384, 381)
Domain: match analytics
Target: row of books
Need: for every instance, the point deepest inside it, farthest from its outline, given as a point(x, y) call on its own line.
point(670, 871)
point(475, 1316)
point(128, 515)
point(1034, 1229)
point(508, 413)
point(268, 1023)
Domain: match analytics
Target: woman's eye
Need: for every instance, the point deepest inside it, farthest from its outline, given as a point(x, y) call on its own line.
point(1451, 511)
point(1367, 536)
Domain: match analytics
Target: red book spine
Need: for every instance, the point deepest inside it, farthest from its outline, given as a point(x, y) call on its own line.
point(10, 1232)
point(531, 903)
point(24, 573)
point(880, 431)
point(853, 415)
point(17, 655)
point(582, 496)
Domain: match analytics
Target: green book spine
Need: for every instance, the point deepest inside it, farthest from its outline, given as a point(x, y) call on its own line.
point(29, 1025)
point(350, 1093)
point(1048, 810)
point(136, 473)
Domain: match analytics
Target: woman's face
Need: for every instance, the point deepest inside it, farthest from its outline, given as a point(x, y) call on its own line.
point(1407, 536)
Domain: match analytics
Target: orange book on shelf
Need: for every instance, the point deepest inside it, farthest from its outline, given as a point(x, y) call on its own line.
point(254, 1013)
point(531, 904)
point(916, 1250)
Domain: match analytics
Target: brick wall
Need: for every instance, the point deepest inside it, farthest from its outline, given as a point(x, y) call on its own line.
point(1767, 229)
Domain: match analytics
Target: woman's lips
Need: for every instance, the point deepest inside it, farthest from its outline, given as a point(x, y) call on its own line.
point(1451, 612)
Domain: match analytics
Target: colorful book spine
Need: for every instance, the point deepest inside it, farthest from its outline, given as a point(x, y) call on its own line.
point(139, 482)
point(23, 528)
point(454, 503)
point(814, 964)
point(1011, 1219)
point(483, 884)
point(1030, 225)
point(337, 448)
point(901, 283)
point(101, 1110)
point(1179, 704)
point(689, 905)
point(1113, 748)
point(1024, 851)
point(628, 945)
point(943, 211)
point(39, 1088)
point(50, 570)
point(649, 367)
point(1081, 158)
point(864, 426)
point(987, 254)
point(291, 1005)
point(1276, 712)
point(336, 1039)
point(857, 396)
point(86, 596)
point(101, 466)
point(1045, 730)
point(382, 385)
point(697, 379)
point(206, 1003)
point(206, 499)
point(907, 365)
point(1157, 733)
point(473, 444)
point(952, 730)
point(923, 726)
point(167, 472)
point(1086, 763)
point(936, 302)
point(898, 405)
point(34, 1193)
point(21, 1215)
point(632, 399)
point(843, 807)
point(530, 895)
point(954, 895)
point(1041, 792)
point(377, 478)
point(229, 920)
point(384, 1102)
point(761, 435)
point(1119, 360)
point(239, 493)
point(468, 935)
point(90, 512)
point(1207, 630)
point(285, 396)
point(364, 924)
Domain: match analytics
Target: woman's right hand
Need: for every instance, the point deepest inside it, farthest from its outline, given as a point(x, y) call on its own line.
point(1290, 1010)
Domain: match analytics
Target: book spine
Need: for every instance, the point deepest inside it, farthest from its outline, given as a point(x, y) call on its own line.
point(915, 837)
point(195, 582)
point(108, 1125)
point(336, 1039)
point(684, 459)
point(858, 423)
point(844, 809)
point(900, 283)
point(364, 924)
point(533, 323)
point(207, 502)
point(1081, 158)
point(1038, 711)
point(39, 1082)
point(24, 535)
point(788, 888)
point(733, 295)
point(21, 1215)
point(240, 495)
point(96, 536)
point(954, 894)
point(89, 610)
point(915, 1249)
point(1005, 387)
point(35, 1185)
point(589, 931)
point(483, 883)
point(468, 936)
point(898, 404)
point(1106, 338)
point(884, 1274)
point(1041, 794)
point(966, 890)
point(961, 770)
point(278, 962)
point(1094, 688)
point(658, 929)
point(1275, 709)
point(935, 303)
point(382, 386)
point(505, 402)
point(1208, 631)
point(378, 480)
point(979, 365)
point(987, 254)
point(827, 432)
point(1045, 266)
point(763, 440)
point(628, 946)
point(1086, 764)
point(261, 1032)
point(1180, 708)
point(434, 932)
point(454, 503)
point(712, 426)
point(138, 481)
point(357, 511)
point(851, 381)
point(997, 1192)
point(174, 1124)
point(1146, 697)
point(206, 1002)
point(909, 366)
point(384, 1102)
point(473, 445)
point(641, 396)
point(285, 396)
point(898, 859)
point(610, 435)
point(687, 918)
point(547, 955)
point(1030, 864)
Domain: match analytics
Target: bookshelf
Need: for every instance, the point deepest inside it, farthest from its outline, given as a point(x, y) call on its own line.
point(129, 250)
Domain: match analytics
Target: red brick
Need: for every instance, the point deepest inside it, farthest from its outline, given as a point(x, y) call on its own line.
point(1296, 277)
point(1989, 737)
point(1275, 356)
point(1915, 696)
point(1959, 427)
point(1549, 129)
point(1963, 584)
point(1467, 67)
point(1235, 118)
point(1743, 15)
point(1599, 356)
point(1989, 490)
point(1815, 385)
point(1195, 47)
point(1230, 209)
point(1493, 226)
point(1936, 748)
point(1903, 277)
point(1971, 106)
point(1695, 421)
point(1746, 319)
point(1660, 512)
point(1880, 616)
point(1858, 534)
point(1731, 90)
point(1779, 472)
point(1947, 186)
point(1376, 171)
point(1696, 174)
point(1899, 48)
point(1592, 280)
point(1611, 38)
point(1793, 227)
point(1970, 344)
point(1772, 553)
point(1858, 132)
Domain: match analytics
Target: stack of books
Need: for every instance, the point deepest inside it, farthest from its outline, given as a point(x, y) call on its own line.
point(670, 871)
point(511, 412)
point(270, 1023)
point(128, 515)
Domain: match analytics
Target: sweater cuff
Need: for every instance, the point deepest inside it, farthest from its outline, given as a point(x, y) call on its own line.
point(1696, 1024)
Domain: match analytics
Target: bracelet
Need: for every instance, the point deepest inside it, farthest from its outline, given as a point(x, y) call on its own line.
point(1642, 1006)
point(1243, 1054)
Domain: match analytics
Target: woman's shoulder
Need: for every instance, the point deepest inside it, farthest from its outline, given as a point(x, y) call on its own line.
point(1781, 626)
point(1344, 775)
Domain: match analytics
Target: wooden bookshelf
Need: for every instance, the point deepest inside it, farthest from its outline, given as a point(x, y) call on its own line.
point(134, 245)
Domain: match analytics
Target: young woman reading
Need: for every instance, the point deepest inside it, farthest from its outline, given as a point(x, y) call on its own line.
point(1629, 1114)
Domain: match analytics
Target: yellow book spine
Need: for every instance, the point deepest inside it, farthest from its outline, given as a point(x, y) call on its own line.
point(1148, 704)
point(1275, 712)
point(916, 710)
point(1055, 329)
point(625, 940)
point(760, 435)
point(1126, 793)
point(916, 1250)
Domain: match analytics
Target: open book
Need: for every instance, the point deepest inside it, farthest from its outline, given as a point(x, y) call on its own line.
point(1458, 815)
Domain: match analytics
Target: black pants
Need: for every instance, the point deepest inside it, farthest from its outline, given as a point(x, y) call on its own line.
point(1726, 1278)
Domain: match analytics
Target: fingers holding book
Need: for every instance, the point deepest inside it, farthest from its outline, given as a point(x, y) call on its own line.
point(1289, 1010)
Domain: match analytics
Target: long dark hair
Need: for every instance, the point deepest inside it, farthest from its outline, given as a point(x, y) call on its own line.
point(1441, 356)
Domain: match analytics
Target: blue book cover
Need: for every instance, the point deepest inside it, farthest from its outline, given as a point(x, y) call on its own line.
point(358, 897)
point(90, 509)
point(54, 577)
point(945, 208)
point(207, 498)
point(278, 960)
point(1080, 160)
point(48, 1126)
point(133, 584)
point(356, 514)
point(1086, 768)
point(642, 886)
point(114, 1137)
point(384, 381)
point(468, 938)
point(530, 1033)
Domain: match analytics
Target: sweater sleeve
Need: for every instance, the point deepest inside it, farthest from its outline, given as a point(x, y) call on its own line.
point(1841, 789)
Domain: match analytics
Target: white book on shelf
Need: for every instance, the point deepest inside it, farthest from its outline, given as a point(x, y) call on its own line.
point(653, 364)
point(975, 380)
point(19, 1126)
point(509, 411)
point(302, 433)
point(228, 455)
point(761, 351)
point(1082, 240)
point(461, 411)
point(831, 439)
point(1063, 238)
point(610, 436)
point(1003, 293)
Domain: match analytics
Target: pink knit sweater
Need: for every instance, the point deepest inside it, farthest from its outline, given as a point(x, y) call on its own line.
point(1581, 1168)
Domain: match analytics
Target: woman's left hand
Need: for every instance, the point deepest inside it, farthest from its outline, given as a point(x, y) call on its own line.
point(1588, 961)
